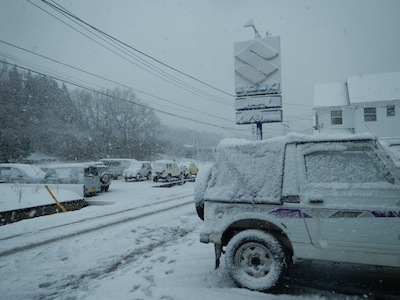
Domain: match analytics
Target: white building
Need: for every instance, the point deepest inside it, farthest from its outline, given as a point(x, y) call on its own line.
point(365, 103)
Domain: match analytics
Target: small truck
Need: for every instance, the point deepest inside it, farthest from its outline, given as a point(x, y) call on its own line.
point(269, 204)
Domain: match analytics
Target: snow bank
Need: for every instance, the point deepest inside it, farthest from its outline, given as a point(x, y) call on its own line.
point(18, 196)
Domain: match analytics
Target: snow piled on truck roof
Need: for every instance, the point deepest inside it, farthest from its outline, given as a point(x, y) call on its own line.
point(247, 171)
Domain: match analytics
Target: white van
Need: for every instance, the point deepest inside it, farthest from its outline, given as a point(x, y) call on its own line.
point(76, 173)
point(20, 173)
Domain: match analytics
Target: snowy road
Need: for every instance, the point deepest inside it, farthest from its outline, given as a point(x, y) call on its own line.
point(20, 242)
point(140, 242)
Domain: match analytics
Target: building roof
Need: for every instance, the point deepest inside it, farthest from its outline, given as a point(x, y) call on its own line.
point(358, 89)
point(331, 94)
point(375, 87)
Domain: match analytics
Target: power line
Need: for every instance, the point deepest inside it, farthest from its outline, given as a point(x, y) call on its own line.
point(294, 104)
point(59, 8)
point(117, 98)
point(174, 81)
point(164, 75)
point(112, 81)
point(65, 11)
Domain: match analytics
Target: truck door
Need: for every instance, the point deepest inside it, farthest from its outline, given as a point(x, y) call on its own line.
point(352, 201)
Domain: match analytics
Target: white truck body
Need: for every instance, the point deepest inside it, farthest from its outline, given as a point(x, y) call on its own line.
point(323, 198)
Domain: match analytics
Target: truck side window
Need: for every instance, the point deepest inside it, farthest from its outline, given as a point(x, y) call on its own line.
point(344, 167)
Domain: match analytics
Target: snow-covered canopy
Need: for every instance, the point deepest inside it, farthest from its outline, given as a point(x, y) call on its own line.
point(240, 171)
point(247, 171)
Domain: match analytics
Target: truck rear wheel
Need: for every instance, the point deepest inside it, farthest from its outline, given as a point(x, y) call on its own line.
point(256, 260)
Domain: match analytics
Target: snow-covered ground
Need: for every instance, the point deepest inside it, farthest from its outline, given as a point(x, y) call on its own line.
point(137, 242)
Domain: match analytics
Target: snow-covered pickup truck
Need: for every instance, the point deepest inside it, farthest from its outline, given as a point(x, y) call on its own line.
point(271, 203)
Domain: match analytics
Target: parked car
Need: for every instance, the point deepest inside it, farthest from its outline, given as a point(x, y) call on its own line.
point(189, 169)
point(20, 173)
point(272, 203)
point(76, 173)
point(138, 170)
point(116, 166)
point(166, 170)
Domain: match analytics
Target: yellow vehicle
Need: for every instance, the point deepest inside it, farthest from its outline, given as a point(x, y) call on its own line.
point(189, 169)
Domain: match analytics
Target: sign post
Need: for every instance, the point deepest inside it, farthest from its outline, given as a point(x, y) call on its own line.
point(258, 82)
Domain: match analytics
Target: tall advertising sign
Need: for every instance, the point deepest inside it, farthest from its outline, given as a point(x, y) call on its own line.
point(258, 81)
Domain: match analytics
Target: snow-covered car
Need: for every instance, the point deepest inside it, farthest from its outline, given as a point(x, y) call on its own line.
point(166, 170)
point(271, 203)
point(116, 166)
point(86, 174)
point(20, 173)
point(137, 171)
point(189, 169)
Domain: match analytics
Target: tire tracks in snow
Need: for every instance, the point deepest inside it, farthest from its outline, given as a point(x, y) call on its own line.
point(92, 224)
point(163, 237)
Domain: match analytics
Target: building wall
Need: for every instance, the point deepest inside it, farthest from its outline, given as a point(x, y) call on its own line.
point(353, 120)
point(384, 126)
point(325, 124)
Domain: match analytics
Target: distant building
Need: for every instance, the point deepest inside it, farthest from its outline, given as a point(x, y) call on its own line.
point(365, 103)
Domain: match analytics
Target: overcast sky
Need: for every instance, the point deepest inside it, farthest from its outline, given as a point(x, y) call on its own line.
point(321, 41)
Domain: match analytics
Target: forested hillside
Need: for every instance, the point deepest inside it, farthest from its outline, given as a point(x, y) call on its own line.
point(38, 115)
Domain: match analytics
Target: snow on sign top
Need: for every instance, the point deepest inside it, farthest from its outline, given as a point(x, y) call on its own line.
point(257, 66)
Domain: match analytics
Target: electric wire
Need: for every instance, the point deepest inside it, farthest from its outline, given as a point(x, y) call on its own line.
point(118, 98)
point(68, 14)
point(177, 82)
point(58, 7)
point(161, 74)
point(76, 83)
point(65, 11)
point(114, 82)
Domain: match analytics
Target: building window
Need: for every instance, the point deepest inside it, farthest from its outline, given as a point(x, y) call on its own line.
point(390, 111)
point(336, 117)
point(369, 114)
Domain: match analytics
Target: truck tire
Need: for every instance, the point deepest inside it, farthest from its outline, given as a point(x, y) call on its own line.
point(256, 260)
point(105, 178)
